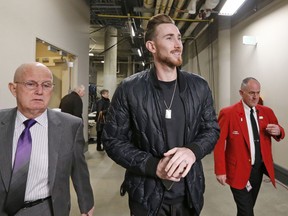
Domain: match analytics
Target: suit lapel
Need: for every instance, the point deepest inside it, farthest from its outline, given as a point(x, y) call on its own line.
point(260, 118)
point(241, 118)
point(54, 141)
point(7, 125)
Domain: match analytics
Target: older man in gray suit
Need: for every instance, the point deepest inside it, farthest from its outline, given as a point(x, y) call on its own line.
point(56, 152)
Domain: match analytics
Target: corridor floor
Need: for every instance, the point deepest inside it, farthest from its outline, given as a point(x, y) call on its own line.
point(106, 178)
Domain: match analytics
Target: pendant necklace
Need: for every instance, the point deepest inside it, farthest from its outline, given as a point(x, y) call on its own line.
point(168, 111)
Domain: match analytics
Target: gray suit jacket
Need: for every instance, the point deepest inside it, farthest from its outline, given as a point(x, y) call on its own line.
point(66, 158)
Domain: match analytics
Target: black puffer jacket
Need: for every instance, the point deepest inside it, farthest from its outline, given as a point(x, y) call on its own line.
point(134, 137)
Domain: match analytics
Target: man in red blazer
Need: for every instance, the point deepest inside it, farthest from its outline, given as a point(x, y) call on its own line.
point(241, 156)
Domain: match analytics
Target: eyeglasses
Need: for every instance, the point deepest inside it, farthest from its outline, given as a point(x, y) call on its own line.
point(32, 85)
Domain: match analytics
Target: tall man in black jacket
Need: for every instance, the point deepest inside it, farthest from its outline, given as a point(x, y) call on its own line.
point(160, 124)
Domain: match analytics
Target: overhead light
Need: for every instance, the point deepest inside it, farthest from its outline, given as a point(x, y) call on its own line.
point(249, 40)
point(52, 48)
point(91, 54)
point(143, 63)
point(139, 52)
point(132, 31)
point(230, 7)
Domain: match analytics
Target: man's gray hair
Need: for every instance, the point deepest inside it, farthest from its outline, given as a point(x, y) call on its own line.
point(246, 80)
point(79, 88)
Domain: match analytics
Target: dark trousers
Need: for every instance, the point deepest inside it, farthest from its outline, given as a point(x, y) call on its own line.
point(178, 209)
point(245, 200)
point(99, 141)
point(42, 209)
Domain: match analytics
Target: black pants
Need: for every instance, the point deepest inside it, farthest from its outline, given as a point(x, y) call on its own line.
point(178, 209)
point(245, 200)
point(99, 141)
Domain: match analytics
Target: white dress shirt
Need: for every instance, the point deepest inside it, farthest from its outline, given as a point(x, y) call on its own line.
point(37, 181)
point(250, 131)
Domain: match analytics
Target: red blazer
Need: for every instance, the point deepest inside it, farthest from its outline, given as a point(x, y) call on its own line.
point(232, 151)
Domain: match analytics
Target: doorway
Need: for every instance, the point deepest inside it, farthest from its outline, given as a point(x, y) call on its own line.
point(61, 65)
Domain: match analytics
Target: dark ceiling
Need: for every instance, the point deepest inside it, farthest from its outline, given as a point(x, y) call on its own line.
point(196, 21)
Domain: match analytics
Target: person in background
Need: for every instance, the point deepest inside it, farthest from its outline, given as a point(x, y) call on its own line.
point(72, 103)
point(101, 107)
point(160, 124)
point(56, 155)
point(243, 152)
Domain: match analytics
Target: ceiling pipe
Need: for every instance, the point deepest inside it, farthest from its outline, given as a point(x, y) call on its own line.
point(207, 8)
point(148, 4)
point(131, 29)
point(191, 9)
point(190, 29)
point(169, 7)
point(178, 8)
point(211, 4)
point(203, 13)
point(163, 6)
point(146, 17)
point(157, 7)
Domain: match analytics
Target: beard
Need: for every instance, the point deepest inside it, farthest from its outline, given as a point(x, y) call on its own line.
point(170, 61)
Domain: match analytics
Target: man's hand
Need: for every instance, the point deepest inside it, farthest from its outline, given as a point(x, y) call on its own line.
point(161, 173)
point(273, 129)
point(180, 163)
point(221, 179)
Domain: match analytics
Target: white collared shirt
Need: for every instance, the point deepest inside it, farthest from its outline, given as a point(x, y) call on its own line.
point(250, 131)
point(37, 181)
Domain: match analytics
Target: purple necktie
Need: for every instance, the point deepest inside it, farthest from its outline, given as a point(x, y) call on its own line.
point(16, 193)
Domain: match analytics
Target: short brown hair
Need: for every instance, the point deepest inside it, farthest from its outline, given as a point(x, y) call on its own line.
point(103, 91)
point(154, 22)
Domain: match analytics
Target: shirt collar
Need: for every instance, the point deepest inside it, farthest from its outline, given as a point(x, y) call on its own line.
point(247, 108)
point(42, 119)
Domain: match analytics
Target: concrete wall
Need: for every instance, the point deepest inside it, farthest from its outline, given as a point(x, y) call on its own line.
point(206, 65)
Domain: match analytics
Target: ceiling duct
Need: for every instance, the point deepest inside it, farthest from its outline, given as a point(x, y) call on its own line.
point(148, 4)
point(191, 9)
point(204, 12)
point(168, 9)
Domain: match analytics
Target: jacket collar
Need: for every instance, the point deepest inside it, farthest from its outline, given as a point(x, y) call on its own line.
point(180, 79)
